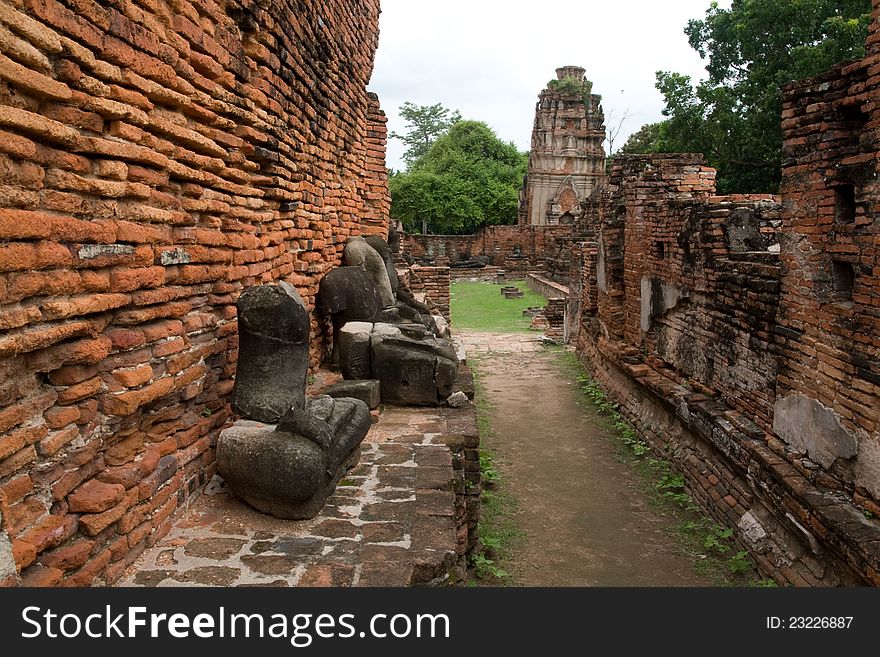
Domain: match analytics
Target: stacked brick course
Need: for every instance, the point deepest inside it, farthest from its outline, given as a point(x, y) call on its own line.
point(157, 158)
point(555, 311)
point(829, 324)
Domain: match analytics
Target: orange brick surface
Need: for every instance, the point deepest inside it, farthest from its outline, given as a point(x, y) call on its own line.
point(160, 157)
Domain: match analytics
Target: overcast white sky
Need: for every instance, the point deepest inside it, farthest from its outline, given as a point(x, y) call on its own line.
point(490, 59)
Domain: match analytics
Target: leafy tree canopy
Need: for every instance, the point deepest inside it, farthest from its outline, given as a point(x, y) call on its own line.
point(753, 49)
point(645, 140)
point(467, 179)
point(424, 124)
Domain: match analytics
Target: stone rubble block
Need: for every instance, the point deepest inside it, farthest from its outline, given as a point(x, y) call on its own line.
point(417, 372)
point(355, 359)
point(367, 390)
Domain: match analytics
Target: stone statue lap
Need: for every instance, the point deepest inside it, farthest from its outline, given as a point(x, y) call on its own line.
point(286, 469)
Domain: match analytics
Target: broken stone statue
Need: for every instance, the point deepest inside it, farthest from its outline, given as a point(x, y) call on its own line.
point(359, 253)
point(402, 306)
point(395, 346)
point(287, 454)
point(348, 294)
point(413, 367)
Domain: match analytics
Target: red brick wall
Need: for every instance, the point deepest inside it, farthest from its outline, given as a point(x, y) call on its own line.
point(830, 302)
point(153, 163)
point(434, 283)
point(654, 190)
point(715, 295)
point(698, 330)
point(373, 185)
point(513, 248)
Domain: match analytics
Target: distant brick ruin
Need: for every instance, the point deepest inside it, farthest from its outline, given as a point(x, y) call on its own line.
point(156, 159)
point(566, 164)
point(567, 158)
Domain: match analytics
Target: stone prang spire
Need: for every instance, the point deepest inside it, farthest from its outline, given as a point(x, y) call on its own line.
point(567, 159)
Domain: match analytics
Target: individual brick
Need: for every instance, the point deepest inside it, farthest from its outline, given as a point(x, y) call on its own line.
point(95, 497)
point(132, 378)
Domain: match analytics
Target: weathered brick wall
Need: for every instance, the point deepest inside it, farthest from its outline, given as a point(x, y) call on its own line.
point(683, 322)
point(692, 281)
point(545, 287)
point(373, 185)
point(513, 248)
point(829, 321)
point(583, 290)
point(157, 158)
point(442, 249)
point(555, 312)
point(434, 283)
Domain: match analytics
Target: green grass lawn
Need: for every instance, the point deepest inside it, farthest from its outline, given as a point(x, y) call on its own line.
point(482, 307)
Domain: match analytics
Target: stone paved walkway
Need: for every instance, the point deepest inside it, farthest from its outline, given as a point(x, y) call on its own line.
point(390, 523)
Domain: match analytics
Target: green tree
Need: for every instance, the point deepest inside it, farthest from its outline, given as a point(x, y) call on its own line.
point(467, 179)
point(424, 124)
point(753, 49)
point(645, 140)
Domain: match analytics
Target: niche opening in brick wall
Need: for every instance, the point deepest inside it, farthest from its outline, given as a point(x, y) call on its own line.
point(660, 250)
point(843, 280)
point(845, 204)
point(853, 116)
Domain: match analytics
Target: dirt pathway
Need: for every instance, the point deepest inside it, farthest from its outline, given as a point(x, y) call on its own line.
point(585, 518)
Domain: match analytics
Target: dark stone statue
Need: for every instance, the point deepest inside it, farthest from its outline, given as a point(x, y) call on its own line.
point(273, 352)
point(348, 294)
point(395, 343)
point(290, 469)
point(359, 253)
point(381, 247)
point(407, 307)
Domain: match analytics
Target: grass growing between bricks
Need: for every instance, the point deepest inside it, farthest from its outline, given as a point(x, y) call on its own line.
point(706, 543)
point(499, 534)
point(482, 307)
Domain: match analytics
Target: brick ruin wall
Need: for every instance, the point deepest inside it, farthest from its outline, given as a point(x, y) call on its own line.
point(157, 158)
point(555, 312)
point(546, 288)
point(726, 331)
point(434, 283)
point(512, 248)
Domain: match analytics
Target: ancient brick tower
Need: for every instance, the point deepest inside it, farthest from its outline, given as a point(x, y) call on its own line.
point(567, 157)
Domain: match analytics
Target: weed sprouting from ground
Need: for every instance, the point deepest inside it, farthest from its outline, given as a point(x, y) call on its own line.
point(709, 545)
point(499, 534)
